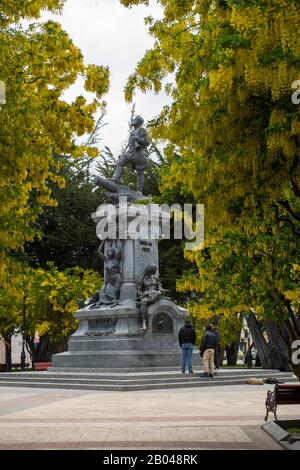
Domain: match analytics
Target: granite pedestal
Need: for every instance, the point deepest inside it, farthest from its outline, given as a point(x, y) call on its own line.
point(111, 336)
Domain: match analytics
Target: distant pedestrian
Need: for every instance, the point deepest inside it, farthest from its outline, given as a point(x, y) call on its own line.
point(187, 339)
point(207, 351)
point(217, 351)
point(248, 357)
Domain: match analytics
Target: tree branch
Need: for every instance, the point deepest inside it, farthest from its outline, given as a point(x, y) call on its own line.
point(286, 205)
point(284, 219)
point(293, 170)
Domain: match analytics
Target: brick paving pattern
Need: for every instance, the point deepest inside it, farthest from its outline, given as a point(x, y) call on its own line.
point(227, 417)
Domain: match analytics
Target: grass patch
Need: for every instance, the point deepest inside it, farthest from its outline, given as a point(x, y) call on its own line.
point(293, 430)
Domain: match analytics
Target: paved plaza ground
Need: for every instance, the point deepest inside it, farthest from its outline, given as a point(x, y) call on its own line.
point(224, 417)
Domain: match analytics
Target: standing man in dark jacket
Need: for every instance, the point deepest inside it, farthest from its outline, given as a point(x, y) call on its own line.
point(217, 351)
point(208, 349)
point(187, 339)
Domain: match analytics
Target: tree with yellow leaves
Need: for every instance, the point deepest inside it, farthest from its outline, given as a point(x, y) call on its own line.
point(233, 123)
point(37, 64)
point(50, 298)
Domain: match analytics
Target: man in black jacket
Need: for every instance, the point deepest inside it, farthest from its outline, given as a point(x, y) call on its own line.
point(187, 339)
point(217, 351)
point(207, 351)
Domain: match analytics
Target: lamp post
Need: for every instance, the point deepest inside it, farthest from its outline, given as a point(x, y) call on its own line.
point(23, 333)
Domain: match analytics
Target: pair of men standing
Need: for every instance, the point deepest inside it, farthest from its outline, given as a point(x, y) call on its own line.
point(208, 348)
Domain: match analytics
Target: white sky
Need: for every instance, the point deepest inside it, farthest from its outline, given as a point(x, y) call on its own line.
point(109, 34)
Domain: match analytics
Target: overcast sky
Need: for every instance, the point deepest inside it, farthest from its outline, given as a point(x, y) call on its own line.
point(109, 34)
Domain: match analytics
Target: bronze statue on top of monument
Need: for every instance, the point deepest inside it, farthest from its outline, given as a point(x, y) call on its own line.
point(137, 156)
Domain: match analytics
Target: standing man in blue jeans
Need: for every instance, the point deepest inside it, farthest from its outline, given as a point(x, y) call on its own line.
point(187, 339)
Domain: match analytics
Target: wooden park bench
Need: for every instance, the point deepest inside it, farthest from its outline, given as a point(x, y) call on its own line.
point(42, 365)
point(283, 394)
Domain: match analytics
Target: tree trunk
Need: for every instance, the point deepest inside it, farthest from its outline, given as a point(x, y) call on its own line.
point(232, 354)
point(260, 342)
point(7, 342)
point(30, 346)
point(277, 347)
point(44, 350)
point(232, 350)
point(257, 361)
point(277, 353)
point(221, 356)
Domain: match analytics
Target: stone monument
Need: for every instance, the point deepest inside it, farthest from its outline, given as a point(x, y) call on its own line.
point(129, 323)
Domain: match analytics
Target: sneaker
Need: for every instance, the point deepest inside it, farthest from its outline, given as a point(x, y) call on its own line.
point(204, 375)
point(211, 375)
point(183, 371)
point(191, 371)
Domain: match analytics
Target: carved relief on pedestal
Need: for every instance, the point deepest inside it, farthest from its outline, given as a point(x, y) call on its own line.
point(162, 324)
point(101, 327)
